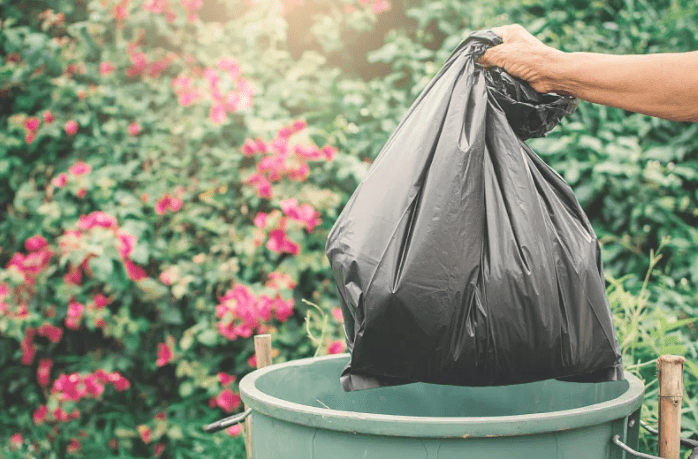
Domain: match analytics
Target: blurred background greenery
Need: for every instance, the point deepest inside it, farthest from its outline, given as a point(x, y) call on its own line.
point(170, 169)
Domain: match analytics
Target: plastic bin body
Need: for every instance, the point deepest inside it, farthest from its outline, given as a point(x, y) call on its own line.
point(300, 412)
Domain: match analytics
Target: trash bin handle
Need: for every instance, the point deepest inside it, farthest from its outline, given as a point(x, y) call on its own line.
point(685, 442)
point(227, 422)
point(626, 448)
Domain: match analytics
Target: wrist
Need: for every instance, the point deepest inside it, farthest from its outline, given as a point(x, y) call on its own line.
point(559, 71)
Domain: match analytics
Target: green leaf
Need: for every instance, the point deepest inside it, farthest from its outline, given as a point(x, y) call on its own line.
point(208, 337)
point(102, 267)
point(186, 389)
point(171, 315)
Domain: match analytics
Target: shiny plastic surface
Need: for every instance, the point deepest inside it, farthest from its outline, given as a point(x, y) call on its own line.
point(462, 258)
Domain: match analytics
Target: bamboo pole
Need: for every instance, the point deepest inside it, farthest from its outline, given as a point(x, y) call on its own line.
point(262, 351)
point(670, 375)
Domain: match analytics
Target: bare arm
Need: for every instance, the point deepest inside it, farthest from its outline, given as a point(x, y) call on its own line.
point(661, 85)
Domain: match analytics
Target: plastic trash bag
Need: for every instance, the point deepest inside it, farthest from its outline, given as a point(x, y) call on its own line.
point(462, 258)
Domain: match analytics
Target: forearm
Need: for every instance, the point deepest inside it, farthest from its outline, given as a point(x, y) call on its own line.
point(662, 85)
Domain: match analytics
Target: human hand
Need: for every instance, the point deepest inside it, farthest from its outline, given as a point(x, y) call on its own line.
point(523, 56)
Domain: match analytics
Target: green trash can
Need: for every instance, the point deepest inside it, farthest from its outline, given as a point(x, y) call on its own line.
point(299, 411)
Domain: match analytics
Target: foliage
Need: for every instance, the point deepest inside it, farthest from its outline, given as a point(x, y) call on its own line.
point(169, 170)
point(646, 332)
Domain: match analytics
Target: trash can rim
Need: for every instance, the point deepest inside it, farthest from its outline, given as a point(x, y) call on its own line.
point(416, 426)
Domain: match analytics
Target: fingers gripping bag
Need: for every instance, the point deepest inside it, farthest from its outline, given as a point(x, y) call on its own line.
point(462, 258)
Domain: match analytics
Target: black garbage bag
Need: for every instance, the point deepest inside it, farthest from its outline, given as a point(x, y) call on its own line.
point(462, 258)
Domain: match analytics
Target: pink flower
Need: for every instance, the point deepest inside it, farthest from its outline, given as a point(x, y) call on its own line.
point(283, 310)
point(50, 331)
point(126, 244)
point(120, 12)
point(60, 415)
point(60, 181)
point(260, 220)
point(299, 173)
point(217, 114)
point(167, 277)
point(105, 68)
point(279, 281)
point(175, 204)
point(250, 147)
point(168, 202)
point(35, 243)
point(29, 138)
point(23, 311)
point(28, 347)
point(337, 314)
point(307, 152)
point(74, 275)
point(40, 414)
point(102, 376)
point(329, 152)
point(336, 347)
point(162, 204)
point(225, 378)
point(262, 184)
point(73, 446)
point(74, 315)
point(139, 64)
point(212, 77)
point(134, 129)
point(293, 128)
point(156, 68)
point(227, 330)
point(48, 117)
point(265, 308)
point(234, 430)
point(275, 166)
point(230, 65)
point(280, 243)
point(228, 400)
point(16, 441)
point(101, 301)
point(120, 383)
point(134, 272)
point(304, 213)
point(159, 449)
point(145, 433)
point(96, 218)
point(32, 124)
point(379, 6)
point(164, 354)
point(252, 361)
point(80, 168)
point(43, 372)
point(93, 386)
point(280, 146)
point(188, 97)
point(191, 6)
point(71, 127)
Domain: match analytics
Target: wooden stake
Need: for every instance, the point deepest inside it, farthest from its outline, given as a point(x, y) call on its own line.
point(670, 375)
point(262, 351)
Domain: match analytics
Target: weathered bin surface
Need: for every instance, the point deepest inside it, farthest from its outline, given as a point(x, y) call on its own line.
point(300, 412)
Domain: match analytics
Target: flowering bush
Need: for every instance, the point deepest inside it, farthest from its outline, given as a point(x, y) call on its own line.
point(168, 197)
point(170, 169)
